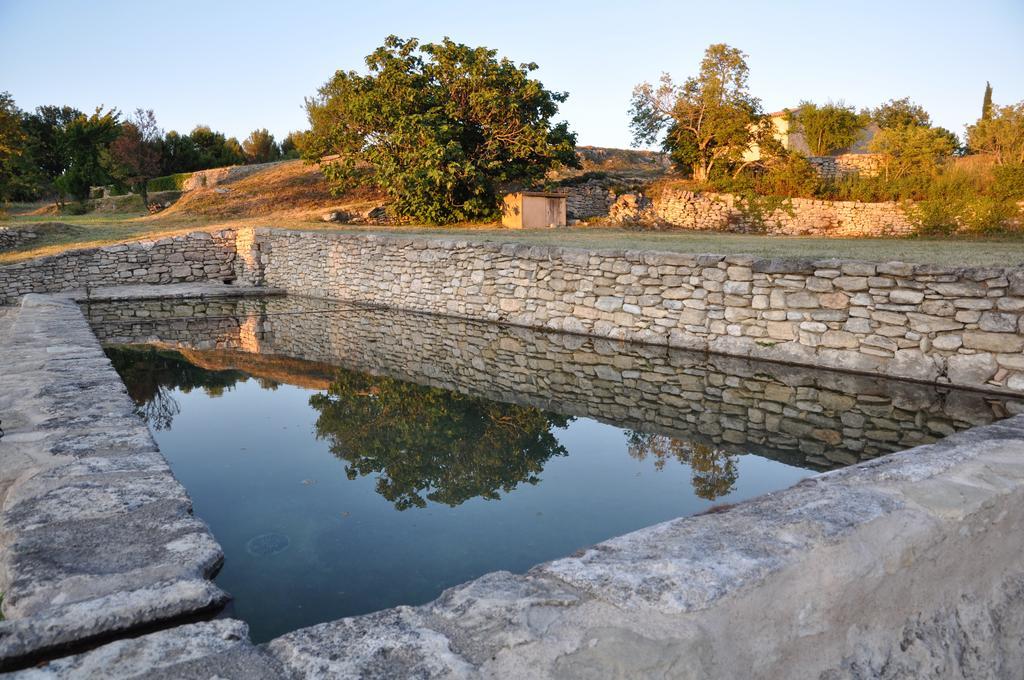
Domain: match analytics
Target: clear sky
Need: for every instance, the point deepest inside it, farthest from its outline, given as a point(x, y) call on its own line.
point(237, 66)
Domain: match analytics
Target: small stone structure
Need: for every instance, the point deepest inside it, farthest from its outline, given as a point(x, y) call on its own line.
point(924, 322)
point(844, 164)
point(533, 210)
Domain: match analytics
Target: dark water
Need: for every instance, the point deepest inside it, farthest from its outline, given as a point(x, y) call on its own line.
point(361, 479)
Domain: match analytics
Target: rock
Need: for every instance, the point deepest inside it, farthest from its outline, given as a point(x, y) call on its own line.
point(993, 342)
point(971, 369)
point(904, 296)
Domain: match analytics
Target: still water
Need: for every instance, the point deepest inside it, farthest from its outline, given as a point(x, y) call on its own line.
point(348, 460)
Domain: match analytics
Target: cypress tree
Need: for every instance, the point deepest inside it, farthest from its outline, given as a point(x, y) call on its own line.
point(986, 104)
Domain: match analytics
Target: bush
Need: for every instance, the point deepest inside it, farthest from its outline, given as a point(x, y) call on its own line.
point(1008, 182)
point(168, 182)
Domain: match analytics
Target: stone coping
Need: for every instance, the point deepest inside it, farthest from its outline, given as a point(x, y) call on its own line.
point(98, 538)
point(171, 291)
point(905, 566)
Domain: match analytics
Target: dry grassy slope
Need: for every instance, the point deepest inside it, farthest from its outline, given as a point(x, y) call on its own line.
point(296, 189)
point(622, 161)
point(290, 188)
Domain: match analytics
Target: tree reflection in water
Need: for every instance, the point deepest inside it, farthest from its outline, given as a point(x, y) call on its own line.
point(424, 443)
point(427, 443)
point(150, 375)
point(713, 471)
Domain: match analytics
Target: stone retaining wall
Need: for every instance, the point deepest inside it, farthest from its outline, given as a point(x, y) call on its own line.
point(14, 238)
point(199, 256)
point(701, 210)
point(863, 164)
point(589, 199)
point(796, 217)
point(923, 322)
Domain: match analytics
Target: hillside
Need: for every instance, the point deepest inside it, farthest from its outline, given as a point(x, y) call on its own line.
point(292, 189)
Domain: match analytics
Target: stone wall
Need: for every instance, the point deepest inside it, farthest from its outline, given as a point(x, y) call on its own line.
point(698, 210)
point(590, 199)
point(198, 256)
point(14, 238)
point(812, 418)
point(923, 322)
point(832, 167)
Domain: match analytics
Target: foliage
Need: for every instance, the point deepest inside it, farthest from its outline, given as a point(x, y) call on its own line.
point(1008, 182)
point(441, 125)
point(14, 141)
point(900, 112)
point(828, 128)
point(972, 214)
point(426, 443)
point(711, 119)
point(134, 157)
point(713, 471)
point(180, 154)
point(911, 149)
point(168, 182)
point(986, 102)
point(214, 150)
point(260, 147)
point(150, 374)
point(47, 129)
point(1001, 135)
point(86, 139)
point(291, 146)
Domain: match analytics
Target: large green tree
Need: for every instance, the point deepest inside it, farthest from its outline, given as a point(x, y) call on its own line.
point(986, 102)
point(709, 121)
point(442, 127)
point(260, 147)
point(898, 112)
point(1001, 135)
point(47, 131)
point(86, 140)
point(828, 128)
point(912, 149)
point(16, 178)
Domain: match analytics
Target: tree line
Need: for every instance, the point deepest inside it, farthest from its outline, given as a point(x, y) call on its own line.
point(63, 152)
point(445, 129)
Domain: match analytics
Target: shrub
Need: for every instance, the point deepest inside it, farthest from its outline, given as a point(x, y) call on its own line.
point(168, 182)
point(1008, 181)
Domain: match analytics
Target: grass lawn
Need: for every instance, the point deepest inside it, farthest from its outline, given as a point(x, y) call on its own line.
point(66, 232)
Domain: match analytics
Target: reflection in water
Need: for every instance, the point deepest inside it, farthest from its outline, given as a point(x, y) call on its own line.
point(422, 443)
point(425, 443)
point(151, 374)
point(713, 470)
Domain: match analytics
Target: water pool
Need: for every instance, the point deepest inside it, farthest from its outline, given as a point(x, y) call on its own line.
point(352, 459)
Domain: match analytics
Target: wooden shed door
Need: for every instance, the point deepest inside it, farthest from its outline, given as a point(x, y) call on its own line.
point(551, 213)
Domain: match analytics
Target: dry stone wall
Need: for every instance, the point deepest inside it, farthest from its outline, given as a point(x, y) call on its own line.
point(795, 217)
point(923, 322)
point(14, 238)
point(831, 167)
point(589, 199)
point(199, 256)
